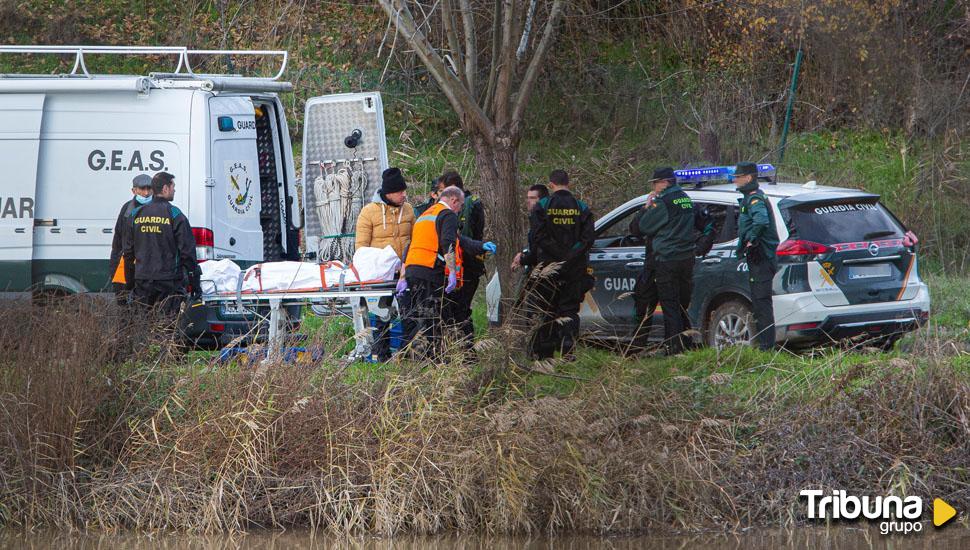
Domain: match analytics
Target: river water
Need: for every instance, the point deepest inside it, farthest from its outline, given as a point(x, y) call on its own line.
point(954, 536)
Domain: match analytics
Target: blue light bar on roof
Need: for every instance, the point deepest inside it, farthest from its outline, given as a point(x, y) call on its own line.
point(712, 173)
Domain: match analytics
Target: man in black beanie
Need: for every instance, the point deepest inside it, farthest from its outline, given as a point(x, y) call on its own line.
point(386, 221)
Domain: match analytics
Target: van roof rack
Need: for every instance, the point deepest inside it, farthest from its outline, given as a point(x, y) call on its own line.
point(183, 68)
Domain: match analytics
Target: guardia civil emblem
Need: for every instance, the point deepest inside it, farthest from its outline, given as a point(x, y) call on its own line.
point(240, 195)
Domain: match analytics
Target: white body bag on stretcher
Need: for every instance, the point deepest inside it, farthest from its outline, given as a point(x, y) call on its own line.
point(371, 265)
point(296, 277)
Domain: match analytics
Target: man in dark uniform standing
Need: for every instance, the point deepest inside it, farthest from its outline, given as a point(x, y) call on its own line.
point(560, 232)
point(141, 188)
point(471, 225)
point(669, 223)
point(646, 295)
point(159, 251)
point(757, 242)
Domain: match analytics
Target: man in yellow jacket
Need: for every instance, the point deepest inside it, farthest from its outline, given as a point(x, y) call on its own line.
point(386, 220)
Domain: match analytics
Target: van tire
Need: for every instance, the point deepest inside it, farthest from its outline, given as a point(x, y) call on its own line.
point(730, 324)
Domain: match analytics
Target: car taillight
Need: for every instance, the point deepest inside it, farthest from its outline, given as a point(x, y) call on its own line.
point(204, 243)
point(794, 247)
point(217, 327)
point(803, 326)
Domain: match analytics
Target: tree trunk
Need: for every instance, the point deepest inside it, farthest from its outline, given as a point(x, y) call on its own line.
point(497, 161)
point(494, 127)
point(710, 145)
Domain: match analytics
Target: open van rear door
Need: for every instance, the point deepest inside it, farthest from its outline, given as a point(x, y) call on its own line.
point(234, 176)
point(344, 154)
point(20, 122)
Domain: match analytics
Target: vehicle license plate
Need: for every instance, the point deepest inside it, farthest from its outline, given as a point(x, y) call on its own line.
point(869, 271)
point(233, 309)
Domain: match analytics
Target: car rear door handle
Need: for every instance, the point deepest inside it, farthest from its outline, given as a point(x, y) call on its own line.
point(711, 260)
point(634, 265)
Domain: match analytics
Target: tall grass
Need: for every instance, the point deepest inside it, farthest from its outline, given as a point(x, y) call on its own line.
point(477, 442)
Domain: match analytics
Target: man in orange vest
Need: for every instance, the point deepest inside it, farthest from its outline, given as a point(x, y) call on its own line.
point(141, 188)
point(432, 268)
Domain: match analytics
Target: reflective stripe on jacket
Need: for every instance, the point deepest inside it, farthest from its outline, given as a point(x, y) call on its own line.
point(424, 248)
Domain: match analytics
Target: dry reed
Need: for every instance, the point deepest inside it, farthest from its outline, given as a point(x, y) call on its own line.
point(100, 433)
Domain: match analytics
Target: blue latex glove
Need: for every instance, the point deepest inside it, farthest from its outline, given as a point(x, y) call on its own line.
point(490, 247)
point(452, 282)
point(402, 285)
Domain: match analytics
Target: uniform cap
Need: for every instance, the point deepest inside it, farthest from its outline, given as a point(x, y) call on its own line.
point(662, 173)
point(141, 180)
point(746, 168)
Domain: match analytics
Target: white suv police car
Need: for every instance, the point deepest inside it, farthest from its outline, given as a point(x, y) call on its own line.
point(845, 270)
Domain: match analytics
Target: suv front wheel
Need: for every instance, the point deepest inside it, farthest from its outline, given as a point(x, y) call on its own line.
point(730, 324)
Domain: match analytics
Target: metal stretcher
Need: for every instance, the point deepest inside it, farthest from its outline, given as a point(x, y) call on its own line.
point(345, 296)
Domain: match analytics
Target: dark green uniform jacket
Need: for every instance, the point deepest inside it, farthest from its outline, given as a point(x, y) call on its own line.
point(669, 222)
point(756, 225)
point(471, 225)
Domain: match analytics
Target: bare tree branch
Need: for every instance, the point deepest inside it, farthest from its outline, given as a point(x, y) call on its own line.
point(518, 20)
point(390, 54)
point(506, 69)
point(493, 127)
point(464, 105)
point(524, 42)
point(471, 46)
point(535, 65)
point(496, 47)
point(427, 15)
point(451, 32)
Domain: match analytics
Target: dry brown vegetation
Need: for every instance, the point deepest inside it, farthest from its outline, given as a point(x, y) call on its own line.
point(103, 432)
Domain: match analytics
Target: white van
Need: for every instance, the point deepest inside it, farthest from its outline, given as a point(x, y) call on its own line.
point(71, 145)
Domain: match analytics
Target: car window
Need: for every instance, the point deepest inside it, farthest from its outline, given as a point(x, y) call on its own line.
point(724, 217)
point(619, 226)
point(616, 233)
point(842, 221)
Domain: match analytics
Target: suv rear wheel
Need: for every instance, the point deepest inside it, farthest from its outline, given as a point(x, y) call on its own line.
point(730, 324)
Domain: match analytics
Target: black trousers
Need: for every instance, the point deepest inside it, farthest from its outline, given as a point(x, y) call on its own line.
point(166, 296)
point(645, 300)
point(558, 299)
point(460, 307)
point(121, 293)
point(381, 348)
point(675, 282)
point(422, 318)
point(760, 276)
